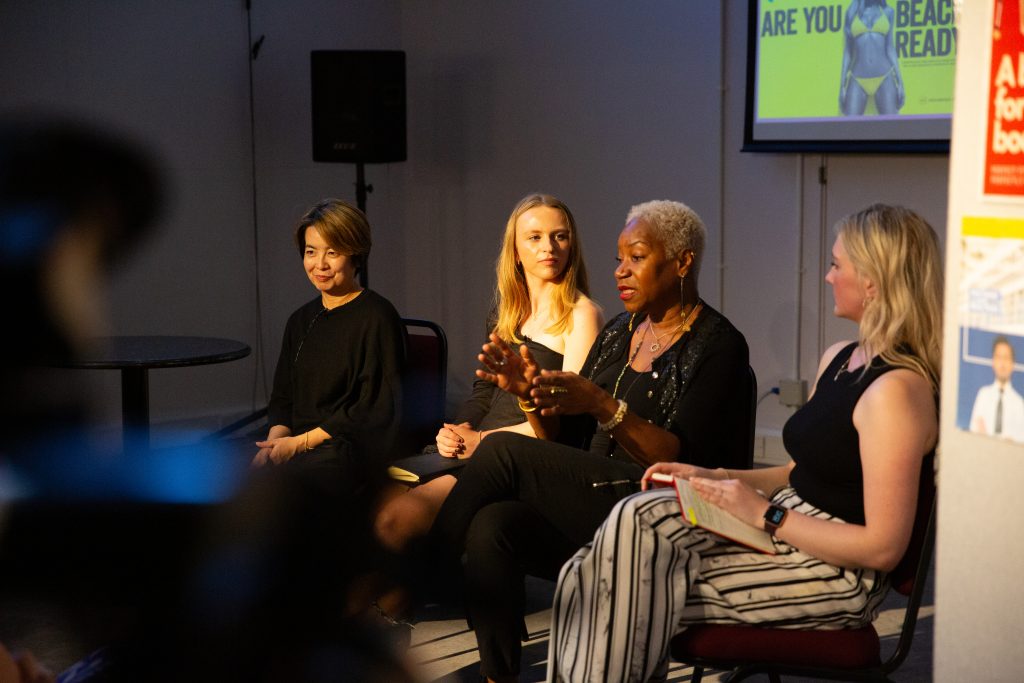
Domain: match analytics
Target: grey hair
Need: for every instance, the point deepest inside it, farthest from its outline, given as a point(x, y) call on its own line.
point(676, 225)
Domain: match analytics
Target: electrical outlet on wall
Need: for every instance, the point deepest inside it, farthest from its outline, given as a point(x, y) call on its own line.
point(793, 392)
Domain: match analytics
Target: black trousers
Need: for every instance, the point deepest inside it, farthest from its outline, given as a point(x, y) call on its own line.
point(521, 506)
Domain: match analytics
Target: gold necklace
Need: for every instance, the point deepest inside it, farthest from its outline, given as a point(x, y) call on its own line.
point(632, 357)
point(684, 326)
point(845, 367)
point(657, 337)
point(841, 370)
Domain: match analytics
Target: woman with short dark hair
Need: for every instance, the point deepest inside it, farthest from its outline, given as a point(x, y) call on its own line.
point(337, 388)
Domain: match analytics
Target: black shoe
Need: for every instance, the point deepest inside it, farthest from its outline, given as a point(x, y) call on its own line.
point(397, 632)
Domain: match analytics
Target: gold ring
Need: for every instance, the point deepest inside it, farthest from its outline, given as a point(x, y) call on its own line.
point(559, 390)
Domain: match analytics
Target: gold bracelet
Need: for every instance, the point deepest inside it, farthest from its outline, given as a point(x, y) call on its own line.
point(307, 442)
point(527, 406)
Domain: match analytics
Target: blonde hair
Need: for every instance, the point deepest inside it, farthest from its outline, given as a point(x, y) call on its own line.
point(511, 296)
point(898, 251)
point(676, 226)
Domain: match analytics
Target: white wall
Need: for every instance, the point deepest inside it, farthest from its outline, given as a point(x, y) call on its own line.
point(174, 78)
point(980, 549)
point(778, 223)
point(602, 103)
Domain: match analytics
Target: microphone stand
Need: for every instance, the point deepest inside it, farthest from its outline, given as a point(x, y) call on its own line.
point(361, 190)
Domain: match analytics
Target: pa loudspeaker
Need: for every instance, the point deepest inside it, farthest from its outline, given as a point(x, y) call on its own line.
point(358, 105)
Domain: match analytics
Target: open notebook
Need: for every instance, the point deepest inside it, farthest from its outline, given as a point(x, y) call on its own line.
point(700, 512)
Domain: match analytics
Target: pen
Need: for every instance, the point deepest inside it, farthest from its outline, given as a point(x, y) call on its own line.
point(613, 482)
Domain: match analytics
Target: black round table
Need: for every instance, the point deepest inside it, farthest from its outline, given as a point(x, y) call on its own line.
point(135, 356)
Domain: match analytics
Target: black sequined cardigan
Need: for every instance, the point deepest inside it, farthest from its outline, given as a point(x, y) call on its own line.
point(712, 336)
point(675, 367)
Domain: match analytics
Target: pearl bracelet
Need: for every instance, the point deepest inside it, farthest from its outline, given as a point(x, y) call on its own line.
point(616, 419)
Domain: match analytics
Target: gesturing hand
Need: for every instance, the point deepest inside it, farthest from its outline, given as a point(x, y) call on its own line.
point(509, 371)
point(564, 393)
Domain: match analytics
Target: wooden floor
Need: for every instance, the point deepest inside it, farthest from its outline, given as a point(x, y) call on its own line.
point(444, 649)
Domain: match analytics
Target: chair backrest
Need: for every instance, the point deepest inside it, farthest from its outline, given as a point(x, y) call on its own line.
point(753, 417)
point(426, 380)
point(738, 438)
point(904, 576)
point(911, 573)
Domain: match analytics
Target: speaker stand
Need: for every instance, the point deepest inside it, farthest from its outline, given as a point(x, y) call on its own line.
point(361, 191)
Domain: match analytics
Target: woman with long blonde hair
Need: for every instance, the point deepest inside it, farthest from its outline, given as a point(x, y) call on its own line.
point(840, 514)
point(541, 302)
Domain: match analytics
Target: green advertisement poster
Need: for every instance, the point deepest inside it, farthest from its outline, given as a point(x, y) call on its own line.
point(813, 54)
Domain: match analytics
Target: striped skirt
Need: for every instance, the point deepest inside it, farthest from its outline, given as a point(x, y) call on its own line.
point(648, 574)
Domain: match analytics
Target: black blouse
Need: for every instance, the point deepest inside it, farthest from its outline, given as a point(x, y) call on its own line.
point(341, 370)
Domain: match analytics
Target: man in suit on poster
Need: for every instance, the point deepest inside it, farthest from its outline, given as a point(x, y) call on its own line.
point(998, 408)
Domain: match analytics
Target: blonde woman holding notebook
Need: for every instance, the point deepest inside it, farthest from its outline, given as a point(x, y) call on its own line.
point(841, 513)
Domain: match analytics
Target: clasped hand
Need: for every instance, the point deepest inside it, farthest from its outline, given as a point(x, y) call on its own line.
point(732, 495)
point(457, 441)
point(277, 451)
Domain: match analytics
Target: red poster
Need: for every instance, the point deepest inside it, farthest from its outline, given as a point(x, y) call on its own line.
point(1004, 153)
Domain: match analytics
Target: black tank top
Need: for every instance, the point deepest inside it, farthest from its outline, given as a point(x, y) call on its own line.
point(821, 439)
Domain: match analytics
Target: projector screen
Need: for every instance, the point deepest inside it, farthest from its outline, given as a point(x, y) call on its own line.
point(855, 75)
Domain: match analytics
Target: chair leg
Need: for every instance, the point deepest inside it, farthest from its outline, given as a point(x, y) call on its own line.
point(742, 673)
point(697, 675)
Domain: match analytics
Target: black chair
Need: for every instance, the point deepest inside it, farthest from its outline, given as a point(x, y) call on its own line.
point(426, 380)
point(424, 390)
point(845, 654)
point(753, 416)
